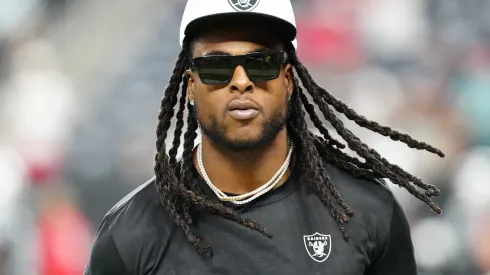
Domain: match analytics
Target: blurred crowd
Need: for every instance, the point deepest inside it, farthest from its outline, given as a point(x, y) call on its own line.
point(81, 83)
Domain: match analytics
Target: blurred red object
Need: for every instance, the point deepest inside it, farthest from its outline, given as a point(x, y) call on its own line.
point(65, 236)
point(320, 44)
point(330, 36)
point(43, 160)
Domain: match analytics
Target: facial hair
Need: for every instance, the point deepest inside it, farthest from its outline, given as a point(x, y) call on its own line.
point(216, 131)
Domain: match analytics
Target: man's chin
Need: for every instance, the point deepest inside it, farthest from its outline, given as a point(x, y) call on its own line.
point(240, 143)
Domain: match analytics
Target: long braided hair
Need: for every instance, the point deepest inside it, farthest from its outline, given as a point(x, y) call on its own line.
point(178, 187)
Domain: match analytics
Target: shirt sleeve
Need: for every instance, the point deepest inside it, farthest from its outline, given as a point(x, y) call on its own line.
point(104, 256)
point(398, 255)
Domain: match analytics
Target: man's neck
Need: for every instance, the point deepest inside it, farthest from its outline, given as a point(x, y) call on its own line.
point(239, 172)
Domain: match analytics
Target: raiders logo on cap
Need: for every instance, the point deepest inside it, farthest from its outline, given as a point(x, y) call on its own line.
point(244, 5)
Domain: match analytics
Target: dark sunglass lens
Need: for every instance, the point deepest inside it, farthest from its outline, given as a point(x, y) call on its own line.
point(262, 67)
point(214, 69)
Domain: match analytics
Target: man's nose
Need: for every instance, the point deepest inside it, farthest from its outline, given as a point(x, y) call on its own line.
point(240, 81)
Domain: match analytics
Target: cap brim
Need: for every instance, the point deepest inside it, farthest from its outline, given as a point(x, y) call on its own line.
point(286, 30)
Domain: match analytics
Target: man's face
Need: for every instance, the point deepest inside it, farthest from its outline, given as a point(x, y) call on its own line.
point(215, 104)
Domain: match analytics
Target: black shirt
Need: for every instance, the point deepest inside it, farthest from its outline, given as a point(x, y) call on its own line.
point(137, 236)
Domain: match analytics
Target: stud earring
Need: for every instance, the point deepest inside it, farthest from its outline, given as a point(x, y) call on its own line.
point(192, 102)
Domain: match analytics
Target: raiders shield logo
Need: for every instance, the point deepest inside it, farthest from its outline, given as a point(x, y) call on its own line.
point(244, 5)
point(318, 246)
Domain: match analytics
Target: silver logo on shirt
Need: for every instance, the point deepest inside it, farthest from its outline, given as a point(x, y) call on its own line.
point(244, 5)
point(318, 246)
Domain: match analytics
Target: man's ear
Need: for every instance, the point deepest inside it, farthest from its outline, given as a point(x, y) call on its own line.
point(191, 85)
point(288, 79)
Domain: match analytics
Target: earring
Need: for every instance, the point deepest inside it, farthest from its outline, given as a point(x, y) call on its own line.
point(289, 98)
point(191, 102)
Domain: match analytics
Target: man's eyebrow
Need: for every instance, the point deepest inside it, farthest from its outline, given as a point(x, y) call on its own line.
point(259, 50)
point(216, 53)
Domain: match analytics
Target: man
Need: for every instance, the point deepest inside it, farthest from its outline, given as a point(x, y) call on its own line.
point(260, 194)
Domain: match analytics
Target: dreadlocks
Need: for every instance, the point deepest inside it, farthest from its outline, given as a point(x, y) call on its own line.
point(178, 187)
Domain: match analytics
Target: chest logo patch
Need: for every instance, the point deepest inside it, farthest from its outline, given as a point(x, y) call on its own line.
point(318, 246)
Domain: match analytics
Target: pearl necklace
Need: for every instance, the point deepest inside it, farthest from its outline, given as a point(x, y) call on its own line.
point(250, 196)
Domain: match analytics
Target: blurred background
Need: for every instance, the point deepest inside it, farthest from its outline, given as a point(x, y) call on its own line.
point(81, 83)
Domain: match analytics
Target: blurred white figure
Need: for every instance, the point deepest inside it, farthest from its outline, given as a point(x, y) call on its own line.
point(39, 106)
point(37, 109)
point(12, 176)
point(394, 28)
point(471, 184)
point(436, 243)
point(14, 234)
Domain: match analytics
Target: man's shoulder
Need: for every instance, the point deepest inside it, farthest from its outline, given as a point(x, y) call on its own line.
point(139, 210)
point(130, 230)
point(364, 196)
point(373, 203)
point(144, 194)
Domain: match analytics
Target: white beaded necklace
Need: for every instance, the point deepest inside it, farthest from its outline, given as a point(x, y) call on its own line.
point(250, 196)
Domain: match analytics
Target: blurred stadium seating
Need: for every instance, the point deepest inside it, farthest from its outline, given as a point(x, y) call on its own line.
point(81, 83)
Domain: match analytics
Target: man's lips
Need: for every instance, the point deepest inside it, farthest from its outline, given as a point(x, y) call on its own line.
point(242, 105)
point(243, 109)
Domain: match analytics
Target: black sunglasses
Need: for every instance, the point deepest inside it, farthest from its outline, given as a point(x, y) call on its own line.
point(219, 69)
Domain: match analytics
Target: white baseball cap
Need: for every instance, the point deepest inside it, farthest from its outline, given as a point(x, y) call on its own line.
point(278, 14)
